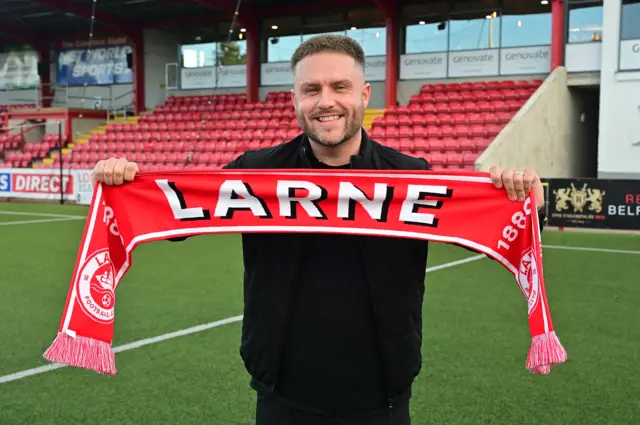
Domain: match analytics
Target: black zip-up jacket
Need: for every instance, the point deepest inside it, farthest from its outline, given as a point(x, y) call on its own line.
point(395, 268)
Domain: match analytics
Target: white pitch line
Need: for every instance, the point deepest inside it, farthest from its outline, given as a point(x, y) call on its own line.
point(199, 328)
point(41, 214)
point(46, 220)
point(443, 266)
point(586, 248)
point(456, 263)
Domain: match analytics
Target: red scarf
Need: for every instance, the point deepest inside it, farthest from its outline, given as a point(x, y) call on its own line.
point(461, 208)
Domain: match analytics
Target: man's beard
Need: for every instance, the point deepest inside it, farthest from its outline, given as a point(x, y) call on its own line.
point(351, 128)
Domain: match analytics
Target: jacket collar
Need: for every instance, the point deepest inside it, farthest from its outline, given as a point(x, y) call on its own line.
point(363, 160)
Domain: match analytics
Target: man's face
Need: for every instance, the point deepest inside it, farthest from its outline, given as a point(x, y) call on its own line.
point(330, 97)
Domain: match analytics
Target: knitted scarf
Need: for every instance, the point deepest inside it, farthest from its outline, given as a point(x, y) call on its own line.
point(453, 207)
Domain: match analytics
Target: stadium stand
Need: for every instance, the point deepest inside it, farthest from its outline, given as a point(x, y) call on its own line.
point(13, 150)
point(449, 124)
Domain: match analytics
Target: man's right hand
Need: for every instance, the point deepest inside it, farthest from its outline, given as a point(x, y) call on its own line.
point(114, 171)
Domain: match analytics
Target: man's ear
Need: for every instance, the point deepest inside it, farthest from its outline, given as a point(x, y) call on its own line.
point(366, 94)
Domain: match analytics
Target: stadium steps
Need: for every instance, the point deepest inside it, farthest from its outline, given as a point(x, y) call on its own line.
point(67, 151)
point(370, 115)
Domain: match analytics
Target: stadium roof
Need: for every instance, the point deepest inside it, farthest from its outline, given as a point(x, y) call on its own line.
point(24, 21)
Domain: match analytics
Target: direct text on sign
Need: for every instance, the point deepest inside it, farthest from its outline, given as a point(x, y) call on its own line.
point(42, 183)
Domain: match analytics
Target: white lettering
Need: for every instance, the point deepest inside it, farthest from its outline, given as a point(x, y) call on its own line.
point(237, 195)
point(287, 197)
point(178, 205)
point(35, 182)
point(41, 183)
point(415, 199)
point(113, 227)
point(624, 210)
point(377, 208)
point(4, 182)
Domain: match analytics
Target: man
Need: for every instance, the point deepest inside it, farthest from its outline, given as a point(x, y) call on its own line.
point(332, 328)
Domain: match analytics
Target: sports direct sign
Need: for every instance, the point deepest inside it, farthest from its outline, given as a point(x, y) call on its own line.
point(38, 184)
point(42, 183)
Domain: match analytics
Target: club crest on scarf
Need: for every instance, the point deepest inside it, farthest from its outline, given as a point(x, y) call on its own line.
point(528, 278)
point(95, 290)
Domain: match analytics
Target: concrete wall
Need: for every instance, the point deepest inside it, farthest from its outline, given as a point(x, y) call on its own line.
point(81, 126)
point(35, 134)
point(545, 134)
point(619, 143)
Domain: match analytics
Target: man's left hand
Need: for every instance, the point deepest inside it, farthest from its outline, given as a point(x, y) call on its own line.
point(518, 183)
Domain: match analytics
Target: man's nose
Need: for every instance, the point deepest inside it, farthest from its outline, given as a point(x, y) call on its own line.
point(326, 99)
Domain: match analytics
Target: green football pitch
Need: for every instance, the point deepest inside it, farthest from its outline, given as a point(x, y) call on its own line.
point(476, 336)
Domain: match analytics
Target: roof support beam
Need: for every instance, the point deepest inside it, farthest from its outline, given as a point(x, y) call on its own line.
point(221, 5)
point(119, 24)
point(312, 7)
point(37, 42)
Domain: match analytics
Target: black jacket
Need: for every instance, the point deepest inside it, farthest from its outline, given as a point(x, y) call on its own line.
point(395, 268)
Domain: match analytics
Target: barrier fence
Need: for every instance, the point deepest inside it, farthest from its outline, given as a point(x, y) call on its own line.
point(46, 184)
point(580, 203)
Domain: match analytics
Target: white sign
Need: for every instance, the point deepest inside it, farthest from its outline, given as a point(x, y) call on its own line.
point(475, 63)
point(525, 60)
point(423, 66)
point(276, 74)
point(29, 183)
point(19, 70)
point(232, 76)
point(583, 57)
point(279, 73)
point(197, 78)
point(375, 67)
point(205, 77)
point(629, 55)
point(84, 187)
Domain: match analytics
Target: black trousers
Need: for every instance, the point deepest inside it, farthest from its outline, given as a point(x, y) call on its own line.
point(271, 412)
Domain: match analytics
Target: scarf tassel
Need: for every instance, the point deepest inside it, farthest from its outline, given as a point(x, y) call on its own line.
point(545, 351)
point(80, 351)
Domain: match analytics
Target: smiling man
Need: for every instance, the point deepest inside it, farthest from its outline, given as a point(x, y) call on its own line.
point(330, 96)
point(332, 326)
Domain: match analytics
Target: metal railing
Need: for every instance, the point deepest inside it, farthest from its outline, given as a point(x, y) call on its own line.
point(101, 97)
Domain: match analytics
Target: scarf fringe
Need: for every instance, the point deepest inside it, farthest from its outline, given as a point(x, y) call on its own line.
point(82, 352)
point(545, 351)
